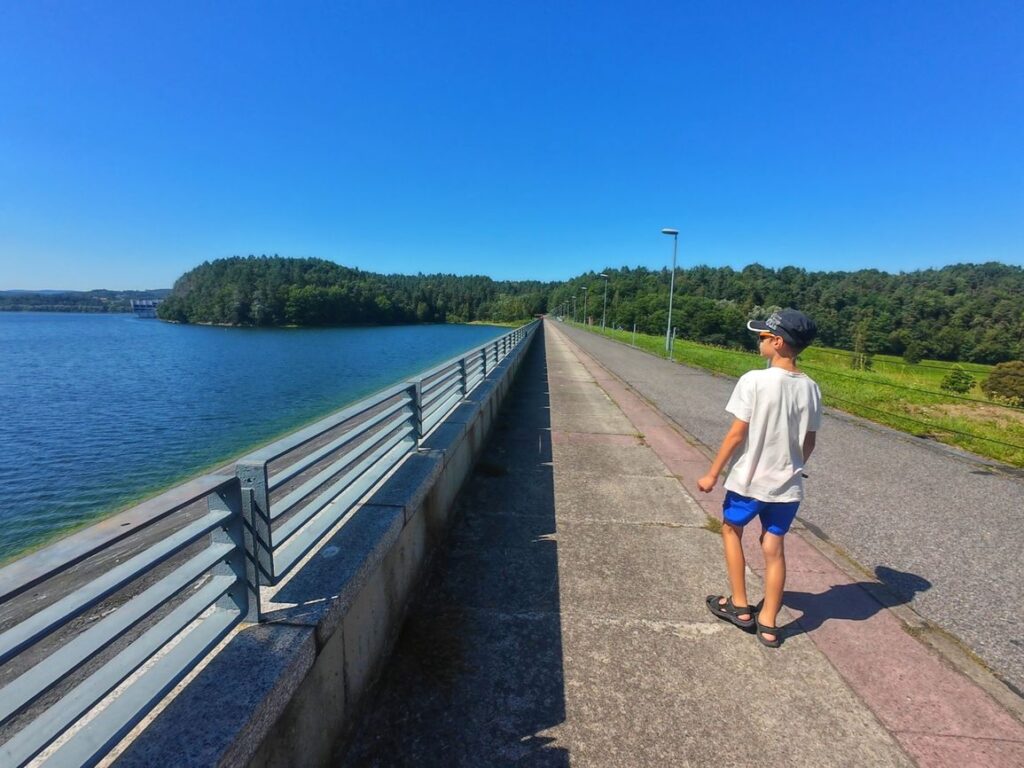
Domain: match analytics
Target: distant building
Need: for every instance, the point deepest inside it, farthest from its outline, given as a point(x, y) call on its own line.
point(145, 307)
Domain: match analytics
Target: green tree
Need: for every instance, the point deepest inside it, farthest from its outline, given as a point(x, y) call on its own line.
point(957, 380)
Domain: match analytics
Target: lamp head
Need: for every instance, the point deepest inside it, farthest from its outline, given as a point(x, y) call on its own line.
point(667, 231)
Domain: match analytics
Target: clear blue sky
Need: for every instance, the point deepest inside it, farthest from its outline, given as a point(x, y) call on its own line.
point(518, 140)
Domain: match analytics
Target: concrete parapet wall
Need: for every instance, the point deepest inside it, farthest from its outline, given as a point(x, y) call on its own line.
point(284, 692)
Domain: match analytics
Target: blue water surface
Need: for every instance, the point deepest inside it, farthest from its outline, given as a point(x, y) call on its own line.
point(99, 410)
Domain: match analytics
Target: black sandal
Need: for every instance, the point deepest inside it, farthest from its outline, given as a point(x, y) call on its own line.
point(730, 612)
point(763, 629)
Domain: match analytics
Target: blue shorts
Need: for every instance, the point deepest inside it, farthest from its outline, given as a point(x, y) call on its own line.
point(776, 517)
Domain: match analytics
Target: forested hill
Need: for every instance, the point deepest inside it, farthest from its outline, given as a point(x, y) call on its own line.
point(971, 312)
point(271, 290)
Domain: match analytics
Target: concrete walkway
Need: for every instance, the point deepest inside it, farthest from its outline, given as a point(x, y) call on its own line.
point(566, 622)
point(939, 527)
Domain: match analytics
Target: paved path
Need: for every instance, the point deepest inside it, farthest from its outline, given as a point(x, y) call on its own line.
point(565, 623)
point(943, 529)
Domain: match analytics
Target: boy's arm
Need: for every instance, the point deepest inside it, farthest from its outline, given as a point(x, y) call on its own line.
point(733, 439)
point(810, 440)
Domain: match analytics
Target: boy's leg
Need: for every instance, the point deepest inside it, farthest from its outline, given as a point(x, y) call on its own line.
point(774, 548)
point(737, 511)
point(776, 519)
point(735, 564)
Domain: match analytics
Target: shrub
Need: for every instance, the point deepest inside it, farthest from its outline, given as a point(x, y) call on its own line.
point(912, 354)
point(957, 380)
point(1006, 382)
point(861, 361)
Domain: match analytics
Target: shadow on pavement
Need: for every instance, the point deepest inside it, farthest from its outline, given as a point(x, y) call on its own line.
point(852, 602)
point(477, 673)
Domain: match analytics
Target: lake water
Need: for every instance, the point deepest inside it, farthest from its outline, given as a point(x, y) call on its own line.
point(100, 410)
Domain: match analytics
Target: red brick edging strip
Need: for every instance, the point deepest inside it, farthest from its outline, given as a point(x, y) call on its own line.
point(939, 716)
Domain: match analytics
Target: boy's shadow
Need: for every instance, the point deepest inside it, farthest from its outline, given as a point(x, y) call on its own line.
point(853, 602)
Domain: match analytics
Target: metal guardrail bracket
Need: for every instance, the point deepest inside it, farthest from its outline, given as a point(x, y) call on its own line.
point(256, 513)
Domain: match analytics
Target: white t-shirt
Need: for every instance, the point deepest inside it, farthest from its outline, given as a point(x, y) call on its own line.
point(781, 407)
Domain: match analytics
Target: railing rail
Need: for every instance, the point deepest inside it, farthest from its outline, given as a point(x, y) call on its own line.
point(96, 628)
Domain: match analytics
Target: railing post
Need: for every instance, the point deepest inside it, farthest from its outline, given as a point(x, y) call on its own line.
point(464, 377)
point(241, 562)
point(417, 409)
point(252, 476)
point(483, 351)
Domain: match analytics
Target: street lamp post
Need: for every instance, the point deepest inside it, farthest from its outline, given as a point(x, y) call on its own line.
point(671, 289)
point(574, 308)
point(604, 311)
point(585, 294)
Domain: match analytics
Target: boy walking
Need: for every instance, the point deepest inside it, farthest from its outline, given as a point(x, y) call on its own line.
point(777, 415)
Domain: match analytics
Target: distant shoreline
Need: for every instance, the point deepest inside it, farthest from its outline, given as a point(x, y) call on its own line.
point(89, 311)
point(494, 323)
point(100, 301)
point(67, 310)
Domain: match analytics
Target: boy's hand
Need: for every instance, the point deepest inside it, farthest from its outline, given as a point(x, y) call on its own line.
point(707, 483)
point(733, 439)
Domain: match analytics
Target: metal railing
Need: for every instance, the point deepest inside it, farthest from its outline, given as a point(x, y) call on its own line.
point(97, 628)
point(297, 489)
point(160, 592)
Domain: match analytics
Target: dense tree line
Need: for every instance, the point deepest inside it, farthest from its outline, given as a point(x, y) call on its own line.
point(971, 312)
point(271, 290)
point(73, 301)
